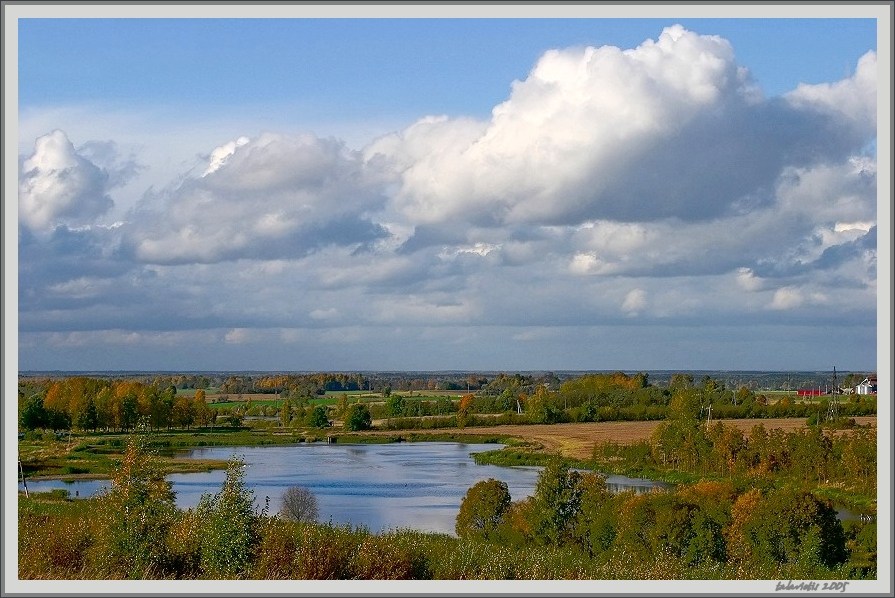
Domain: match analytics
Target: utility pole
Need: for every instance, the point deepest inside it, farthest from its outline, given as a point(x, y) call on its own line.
point(833, 413)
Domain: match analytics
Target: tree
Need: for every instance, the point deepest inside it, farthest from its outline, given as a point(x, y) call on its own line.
point(680, 382)
point(342, 405)
point(394, 405)
point(482, 509)
point(318, 418)
point(33, 414)
point(138, 511)
point(286, 413)
point(299, 504)
point(790, 526)
point(184, 411)
point(87, 418)
point(358, 418)
point(228, 532)
point(557, 499)
point(203, 415)
point(595, 525)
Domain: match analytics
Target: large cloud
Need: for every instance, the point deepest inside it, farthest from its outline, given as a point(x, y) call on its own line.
point(672, 128)
point(274, 196)
point(59, 185)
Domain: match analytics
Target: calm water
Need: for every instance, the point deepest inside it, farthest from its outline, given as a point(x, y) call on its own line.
point(379, 486)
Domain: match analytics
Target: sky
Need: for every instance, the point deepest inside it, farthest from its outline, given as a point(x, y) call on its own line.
point(447, 194)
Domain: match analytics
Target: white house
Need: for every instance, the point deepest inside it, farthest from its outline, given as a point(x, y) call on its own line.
point(867, 387)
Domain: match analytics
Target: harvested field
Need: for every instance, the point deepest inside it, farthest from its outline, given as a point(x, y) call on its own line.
point(578, 440)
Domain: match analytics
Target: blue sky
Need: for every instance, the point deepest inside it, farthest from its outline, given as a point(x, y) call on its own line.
point(375, 66)
point(447, 194)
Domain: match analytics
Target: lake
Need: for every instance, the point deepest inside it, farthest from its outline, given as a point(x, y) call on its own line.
point(380, 486)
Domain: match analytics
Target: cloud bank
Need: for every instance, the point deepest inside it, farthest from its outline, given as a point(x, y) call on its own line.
point(646, 186)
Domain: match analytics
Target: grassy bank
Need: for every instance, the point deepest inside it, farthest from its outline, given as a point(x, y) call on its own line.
point(92, 456)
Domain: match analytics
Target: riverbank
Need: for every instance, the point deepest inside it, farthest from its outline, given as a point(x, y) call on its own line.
point(92, 455)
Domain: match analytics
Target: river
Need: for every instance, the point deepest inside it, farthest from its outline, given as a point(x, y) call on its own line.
point(379, 486)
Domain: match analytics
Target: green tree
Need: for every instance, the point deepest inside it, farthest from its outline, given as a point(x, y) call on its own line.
point(595, 525)
point(358, 418)
point(88, 418)
point(790, 526)
point(394, 405)
point(138, 511)
point(342, 405)
point(33, 415)
point(680, 382)
point(681, 441)
point(318, 418)
point(482, 510)
point(557, 498)
point(286, 413)
point(228, 531)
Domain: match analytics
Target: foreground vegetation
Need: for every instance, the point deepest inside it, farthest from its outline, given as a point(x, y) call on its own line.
point(572, 528)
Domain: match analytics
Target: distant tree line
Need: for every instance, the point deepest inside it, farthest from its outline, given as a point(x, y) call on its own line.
point(93, 404)
point(119, 404)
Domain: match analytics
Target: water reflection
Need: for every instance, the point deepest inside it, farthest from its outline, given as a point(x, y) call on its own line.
point(379, 486)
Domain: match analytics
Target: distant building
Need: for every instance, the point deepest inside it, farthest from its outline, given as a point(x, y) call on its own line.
point(811, 392)
point(867, 387)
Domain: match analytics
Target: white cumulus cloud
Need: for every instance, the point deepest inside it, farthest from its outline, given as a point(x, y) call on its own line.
point(58, 185)
point(271, 197)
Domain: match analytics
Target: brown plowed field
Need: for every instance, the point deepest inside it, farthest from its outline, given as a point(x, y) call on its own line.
point(578, 440)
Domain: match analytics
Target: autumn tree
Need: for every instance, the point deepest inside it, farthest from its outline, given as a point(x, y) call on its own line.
point(202, 412)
